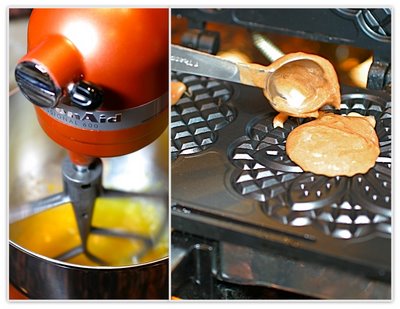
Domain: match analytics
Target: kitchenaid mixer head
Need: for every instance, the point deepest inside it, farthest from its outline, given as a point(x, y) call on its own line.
point(98, 83)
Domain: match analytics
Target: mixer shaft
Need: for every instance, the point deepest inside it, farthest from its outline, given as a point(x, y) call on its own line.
point(83, 185)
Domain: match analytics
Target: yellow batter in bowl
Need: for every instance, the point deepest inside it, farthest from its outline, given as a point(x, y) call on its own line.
point(55, 231)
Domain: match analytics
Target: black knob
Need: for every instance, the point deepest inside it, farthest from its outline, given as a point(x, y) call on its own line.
point(202, 40)
point(85, 95)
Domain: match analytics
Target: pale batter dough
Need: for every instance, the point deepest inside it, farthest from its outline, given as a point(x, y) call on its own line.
point(335, 145)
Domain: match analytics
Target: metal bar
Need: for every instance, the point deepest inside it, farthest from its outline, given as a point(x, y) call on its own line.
point(119, 233)
point(35, 207)
point(110, 193)
point(69, 254)
point(190, 61)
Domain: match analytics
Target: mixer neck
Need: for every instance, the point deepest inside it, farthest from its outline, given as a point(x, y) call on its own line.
point(80, 160)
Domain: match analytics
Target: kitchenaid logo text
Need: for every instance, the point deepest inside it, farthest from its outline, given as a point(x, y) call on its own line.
point(109, 120)
point(93, 120)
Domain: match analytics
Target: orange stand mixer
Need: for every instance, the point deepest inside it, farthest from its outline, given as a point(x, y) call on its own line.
point(99, 81)
point(99, 78)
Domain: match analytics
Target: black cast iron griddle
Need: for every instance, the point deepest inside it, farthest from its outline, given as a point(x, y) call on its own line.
point(232, 180)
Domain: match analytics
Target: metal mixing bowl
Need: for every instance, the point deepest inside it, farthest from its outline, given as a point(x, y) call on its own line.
point(35, 172)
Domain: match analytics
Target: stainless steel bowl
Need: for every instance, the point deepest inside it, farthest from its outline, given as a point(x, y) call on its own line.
point(35, 172)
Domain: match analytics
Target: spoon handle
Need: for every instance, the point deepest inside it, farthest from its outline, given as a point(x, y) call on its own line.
point(190, 61)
